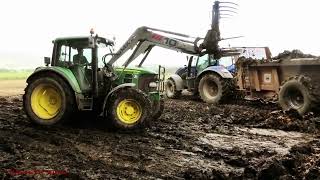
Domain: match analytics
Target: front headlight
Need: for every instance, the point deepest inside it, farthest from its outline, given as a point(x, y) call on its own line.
point(153, 85)
point(135, 76)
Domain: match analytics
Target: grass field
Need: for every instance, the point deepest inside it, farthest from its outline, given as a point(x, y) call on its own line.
point(13, 82)
point(14, 75)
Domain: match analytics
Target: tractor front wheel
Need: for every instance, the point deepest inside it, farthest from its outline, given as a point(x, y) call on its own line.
point(48, 100)
point(128, 108)
point(171, 89)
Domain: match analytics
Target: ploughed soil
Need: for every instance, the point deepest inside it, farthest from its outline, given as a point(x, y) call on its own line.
point(12, 87)
point(191, 140)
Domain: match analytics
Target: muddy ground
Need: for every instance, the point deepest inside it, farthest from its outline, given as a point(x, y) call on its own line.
point(191, 140)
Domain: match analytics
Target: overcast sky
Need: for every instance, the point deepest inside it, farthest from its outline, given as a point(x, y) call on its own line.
point(28, 27)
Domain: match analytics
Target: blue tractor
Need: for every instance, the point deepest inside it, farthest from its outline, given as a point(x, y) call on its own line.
point(202, 76)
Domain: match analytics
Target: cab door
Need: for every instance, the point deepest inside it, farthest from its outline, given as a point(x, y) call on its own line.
point(191, 72)
point(82, 72)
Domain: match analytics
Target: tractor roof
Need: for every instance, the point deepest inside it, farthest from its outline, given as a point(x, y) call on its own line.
point(70, 38)
point(80, 40)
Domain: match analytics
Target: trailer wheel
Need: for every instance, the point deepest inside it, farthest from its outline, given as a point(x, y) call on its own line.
point(128, 108)
point(171, 89)
point(212, 88)
point(48, 100)
point(294, 94)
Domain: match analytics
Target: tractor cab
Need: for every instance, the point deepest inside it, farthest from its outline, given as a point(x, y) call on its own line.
point(82, 56)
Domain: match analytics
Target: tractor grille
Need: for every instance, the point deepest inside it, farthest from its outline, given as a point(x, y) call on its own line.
point(145, 80)
point(128, 78)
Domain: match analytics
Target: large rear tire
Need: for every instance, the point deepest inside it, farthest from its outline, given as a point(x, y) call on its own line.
point(212, 88)
point(294, 94)
point(128, 108)
point(171, 90)
point(48, 100)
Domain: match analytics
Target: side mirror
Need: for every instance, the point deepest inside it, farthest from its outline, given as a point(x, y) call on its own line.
point(47, 61)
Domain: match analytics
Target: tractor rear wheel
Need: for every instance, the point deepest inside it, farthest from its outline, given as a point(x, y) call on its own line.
point(171, 89)
point(212, 88)
point(48, 100)
point(294, 94)
point(128, 108)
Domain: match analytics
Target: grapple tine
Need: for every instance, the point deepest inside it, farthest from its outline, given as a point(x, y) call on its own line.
point(228, 3)
point(226, 15)
point(229, 7)
point(212, 38)
point(225, 10)
point(231, 38)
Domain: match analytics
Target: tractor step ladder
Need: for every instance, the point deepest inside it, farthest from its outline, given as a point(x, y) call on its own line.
point(246, 74)
point(85, 104)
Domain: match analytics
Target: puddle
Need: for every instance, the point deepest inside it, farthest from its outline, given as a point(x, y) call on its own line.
point(274, 140)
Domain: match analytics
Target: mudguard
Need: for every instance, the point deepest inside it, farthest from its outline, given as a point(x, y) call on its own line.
point(178, 81)
point(112, 91)
point(221, 70)
point(181, 70)
point(64, 73)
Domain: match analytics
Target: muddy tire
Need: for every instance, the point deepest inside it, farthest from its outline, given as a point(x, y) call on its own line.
point(295, 94)
point(128, 109)
point(48, 100)
point(171, 90)
point(212, 88)
point(158, 109)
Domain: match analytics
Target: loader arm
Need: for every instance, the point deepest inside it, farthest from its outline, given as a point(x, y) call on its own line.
point(145, 38)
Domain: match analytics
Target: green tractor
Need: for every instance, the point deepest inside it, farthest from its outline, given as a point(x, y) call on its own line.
point(78, 78)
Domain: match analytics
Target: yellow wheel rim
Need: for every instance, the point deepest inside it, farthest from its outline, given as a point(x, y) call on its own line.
point(129, 111)
point(46, 101)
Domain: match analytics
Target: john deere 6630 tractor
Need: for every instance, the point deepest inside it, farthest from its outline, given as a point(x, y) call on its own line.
point(126, 97)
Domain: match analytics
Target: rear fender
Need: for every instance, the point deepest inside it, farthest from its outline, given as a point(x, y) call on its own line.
point(222, 71)
point(64, 73)
point(121, 86)
point(178, 81)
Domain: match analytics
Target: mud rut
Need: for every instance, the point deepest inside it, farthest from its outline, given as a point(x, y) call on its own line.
point(190, 140)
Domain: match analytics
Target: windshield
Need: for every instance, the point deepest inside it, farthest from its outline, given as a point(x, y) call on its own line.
point(103, 49)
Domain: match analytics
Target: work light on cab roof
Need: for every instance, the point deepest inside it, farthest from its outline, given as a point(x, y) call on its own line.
point(92, 31)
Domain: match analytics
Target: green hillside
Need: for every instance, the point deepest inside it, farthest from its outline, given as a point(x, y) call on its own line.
point(14, 74)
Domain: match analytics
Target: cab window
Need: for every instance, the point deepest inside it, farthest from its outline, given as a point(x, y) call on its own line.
point(70, 55)
point(203, 62)
point(81, 56)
